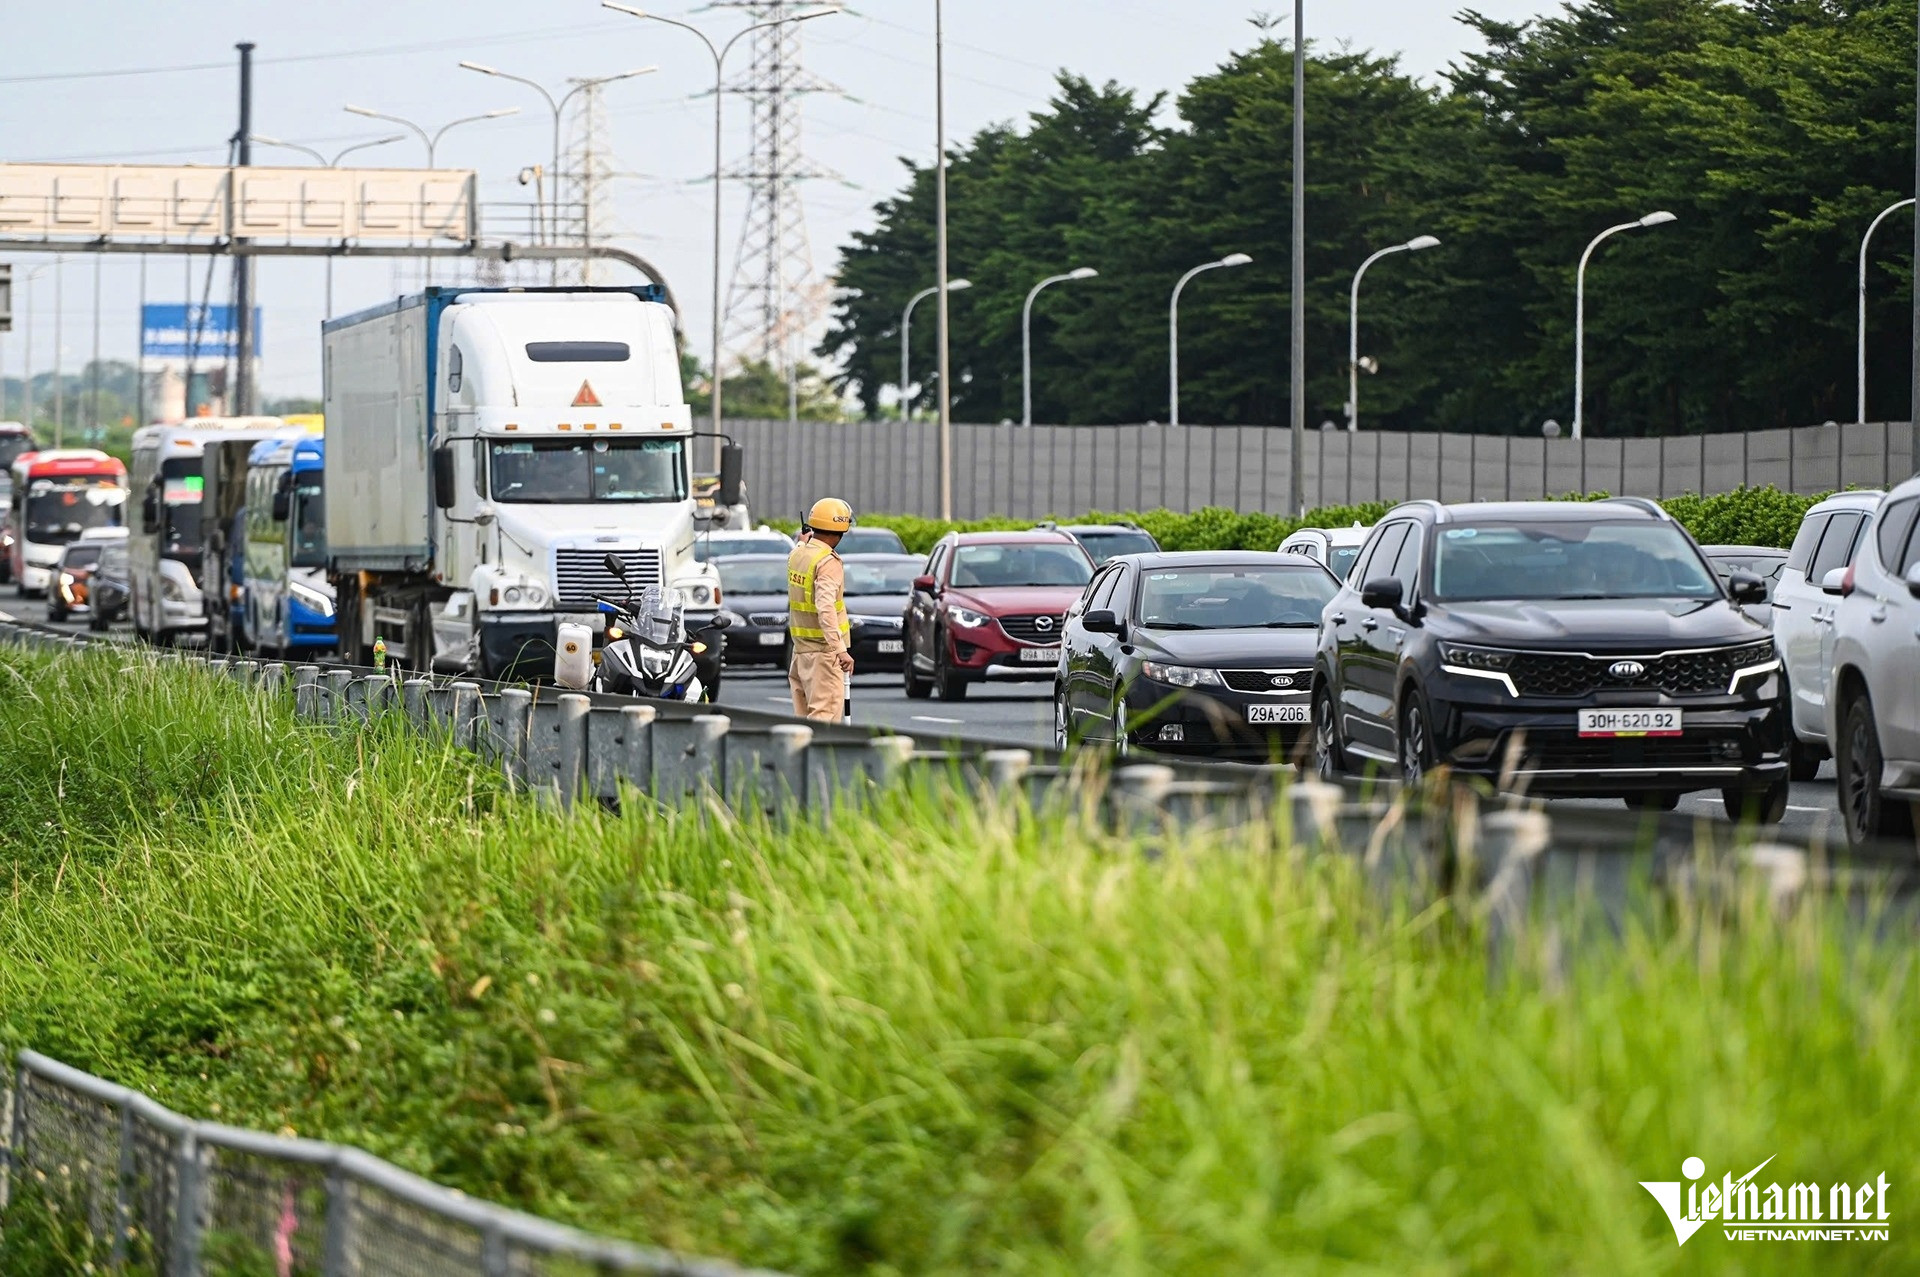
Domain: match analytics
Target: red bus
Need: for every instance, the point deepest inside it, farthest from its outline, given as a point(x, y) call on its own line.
point(57, 495)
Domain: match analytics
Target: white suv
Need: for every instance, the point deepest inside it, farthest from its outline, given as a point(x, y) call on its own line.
point(1803, 618)
point(1873, 709)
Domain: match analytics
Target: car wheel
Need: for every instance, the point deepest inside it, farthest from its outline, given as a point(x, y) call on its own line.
point(1062, 737)
point(55, 616)
point(96, 623)
point(1868, 813)
point(1766, 806)
point(1658, 800)
point(1329, 760)
point(1416, 740)
point(1803, 760)
point(1122, 736)
point(917, 688)
point(953, 687)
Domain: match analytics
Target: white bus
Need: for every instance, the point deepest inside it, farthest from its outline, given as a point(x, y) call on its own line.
point(164, 545)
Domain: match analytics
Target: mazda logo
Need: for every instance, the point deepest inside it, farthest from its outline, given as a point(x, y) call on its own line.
point(1043, 623)
point(1626, 669)
point(1281, 680)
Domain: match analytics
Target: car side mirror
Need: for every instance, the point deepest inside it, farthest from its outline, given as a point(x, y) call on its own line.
point(1835, 582)
point(616, 565)
point(442, 479)
point(1913, 581)
point(1382, 592)
point(150, 510)
point(924, 585)
point(1745, 587)
point(1101, 621)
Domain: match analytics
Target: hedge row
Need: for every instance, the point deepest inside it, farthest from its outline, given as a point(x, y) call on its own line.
point(1745, 516)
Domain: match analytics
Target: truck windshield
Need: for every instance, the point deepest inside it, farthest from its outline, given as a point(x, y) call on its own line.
point(577, 472)
point(309, 521)
point(181, 487)
point(59, 510)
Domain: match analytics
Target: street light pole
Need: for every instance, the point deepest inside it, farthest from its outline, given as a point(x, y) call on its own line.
point(1417, 244)
point(339, 155)
point(432, 140)
point(944, 355)
point(719, 54)
point(1866, 240)
point(906, 339)
point(1580, 313)
point(1173, 331)
point(1026, 337)
point(558, 107)
point(1297, 346)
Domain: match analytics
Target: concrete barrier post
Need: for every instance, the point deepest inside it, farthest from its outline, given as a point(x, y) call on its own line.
point(245, 673)
point(510, 721)
point(468, 713)
point(1510, 847)
point(1005, 770)
point(767, 767)
point(1139, 795)
point(273, 678)
point(1781, 870)
point(333, 708)
point(620, 751)
point(1314, 811)
point(570, 730)
point(690, 756)
point(308, 693)
point(414, 696)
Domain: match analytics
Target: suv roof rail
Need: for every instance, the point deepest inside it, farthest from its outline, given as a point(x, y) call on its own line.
point(1051, 525)
point(1648, 504)
point(1440, 512)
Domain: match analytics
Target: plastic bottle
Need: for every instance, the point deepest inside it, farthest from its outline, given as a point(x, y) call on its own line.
point(379, 653)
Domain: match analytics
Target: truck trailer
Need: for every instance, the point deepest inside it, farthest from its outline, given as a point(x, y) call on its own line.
point(487, 449)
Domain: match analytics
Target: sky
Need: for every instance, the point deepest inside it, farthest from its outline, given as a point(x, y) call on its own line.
point(131, 81)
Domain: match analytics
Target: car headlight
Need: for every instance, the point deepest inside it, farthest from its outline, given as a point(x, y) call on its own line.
point(966, 618)
point(311, 599)
point(1751, 662)
point(1475, 658)
point(1181, 675)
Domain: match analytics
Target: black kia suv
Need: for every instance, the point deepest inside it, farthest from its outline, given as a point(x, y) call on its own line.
point(1555, 647)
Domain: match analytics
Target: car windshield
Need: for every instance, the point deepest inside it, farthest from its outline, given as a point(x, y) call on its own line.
point(80, 555)
point(1234, 597)
point(867, 577)
point(59, 510)
point(1104, 545)
point(582, 472)
point(1765, 566)
point(712, 549)
point(113, 562)
point(1340, 560)
point(753, 576)
point(1032, 563)
point(871, 541)
point(1584, 559)
point(309, 520)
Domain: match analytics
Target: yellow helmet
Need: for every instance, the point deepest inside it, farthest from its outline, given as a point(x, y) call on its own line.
point(830, 514)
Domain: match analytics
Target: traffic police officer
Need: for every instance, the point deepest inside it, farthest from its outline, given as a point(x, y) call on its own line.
point(817, 614)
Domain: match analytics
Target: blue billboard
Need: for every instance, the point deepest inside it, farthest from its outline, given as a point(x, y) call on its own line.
point(170, 330)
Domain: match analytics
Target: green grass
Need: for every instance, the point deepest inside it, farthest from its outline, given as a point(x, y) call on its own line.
point(1745, 516)
point(937, 1037)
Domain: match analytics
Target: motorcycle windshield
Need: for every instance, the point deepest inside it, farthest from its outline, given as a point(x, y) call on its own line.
point(656, 619)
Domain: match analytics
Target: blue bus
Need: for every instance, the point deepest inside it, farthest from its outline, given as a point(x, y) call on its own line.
point(287, 602)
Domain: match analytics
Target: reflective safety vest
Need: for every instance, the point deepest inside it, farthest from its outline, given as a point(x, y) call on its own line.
point(803, 565)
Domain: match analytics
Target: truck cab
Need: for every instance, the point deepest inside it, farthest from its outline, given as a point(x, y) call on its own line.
point(487, 450)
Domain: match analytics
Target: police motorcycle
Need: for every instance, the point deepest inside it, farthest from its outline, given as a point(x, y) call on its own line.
point(648, 651)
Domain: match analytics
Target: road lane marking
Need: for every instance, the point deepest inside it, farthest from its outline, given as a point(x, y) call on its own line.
point(929, 718)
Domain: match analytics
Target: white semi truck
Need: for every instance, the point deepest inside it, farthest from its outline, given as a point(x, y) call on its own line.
point(487, 449)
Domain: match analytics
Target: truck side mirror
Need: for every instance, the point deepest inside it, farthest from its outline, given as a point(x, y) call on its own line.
point(150, 510)
point(732, 478)
point(442, 479)
point(616, 565)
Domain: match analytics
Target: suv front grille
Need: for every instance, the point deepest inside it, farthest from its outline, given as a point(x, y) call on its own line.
point(581, 574)
point(1261, 682)
point(1675, 673)
point(1044, 629)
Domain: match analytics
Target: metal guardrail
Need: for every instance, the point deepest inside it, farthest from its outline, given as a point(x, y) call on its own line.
point(163, 1193)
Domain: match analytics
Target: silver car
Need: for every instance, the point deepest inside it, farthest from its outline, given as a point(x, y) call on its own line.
point(1873, 702)
point(1803, 618)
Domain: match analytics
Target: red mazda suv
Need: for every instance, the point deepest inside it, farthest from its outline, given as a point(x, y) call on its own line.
point(991, 605)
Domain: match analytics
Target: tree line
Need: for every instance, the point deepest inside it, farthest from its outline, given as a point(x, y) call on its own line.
point(1775, 129)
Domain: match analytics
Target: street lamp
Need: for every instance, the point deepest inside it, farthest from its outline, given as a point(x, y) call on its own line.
point(906, 334)
point(432, 139)
point(1418, 243)
point(322, 160)
point(1173, 331)
point(1026, 337)
point(719, 54)
point(1865, 240)
point(1660, 218)
point(558, 107)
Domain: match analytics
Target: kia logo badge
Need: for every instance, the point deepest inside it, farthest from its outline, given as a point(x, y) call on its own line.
point(1281, 680)
point(1043, 623)
point(1626, 669)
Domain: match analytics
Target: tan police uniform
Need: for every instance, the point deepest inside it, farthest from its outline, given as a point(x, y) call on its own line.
point(816, 590)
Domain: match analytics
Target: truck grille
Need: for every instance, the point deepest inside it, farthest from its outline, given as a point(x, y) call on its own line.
point(1262, 682)
point(581, 574)
point(1043, 629)
point(1675, 673)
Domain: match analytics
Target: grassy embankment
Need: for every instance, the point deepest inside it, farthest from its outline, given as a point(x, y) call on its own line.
point(938, 1037)
point(1745, 516)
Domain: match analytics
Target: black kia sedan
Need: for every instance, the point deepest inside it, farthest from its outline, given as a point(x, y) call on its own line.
point(753, 587)
point(1205, 652)
point(1558, 648)
point(879, 587)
